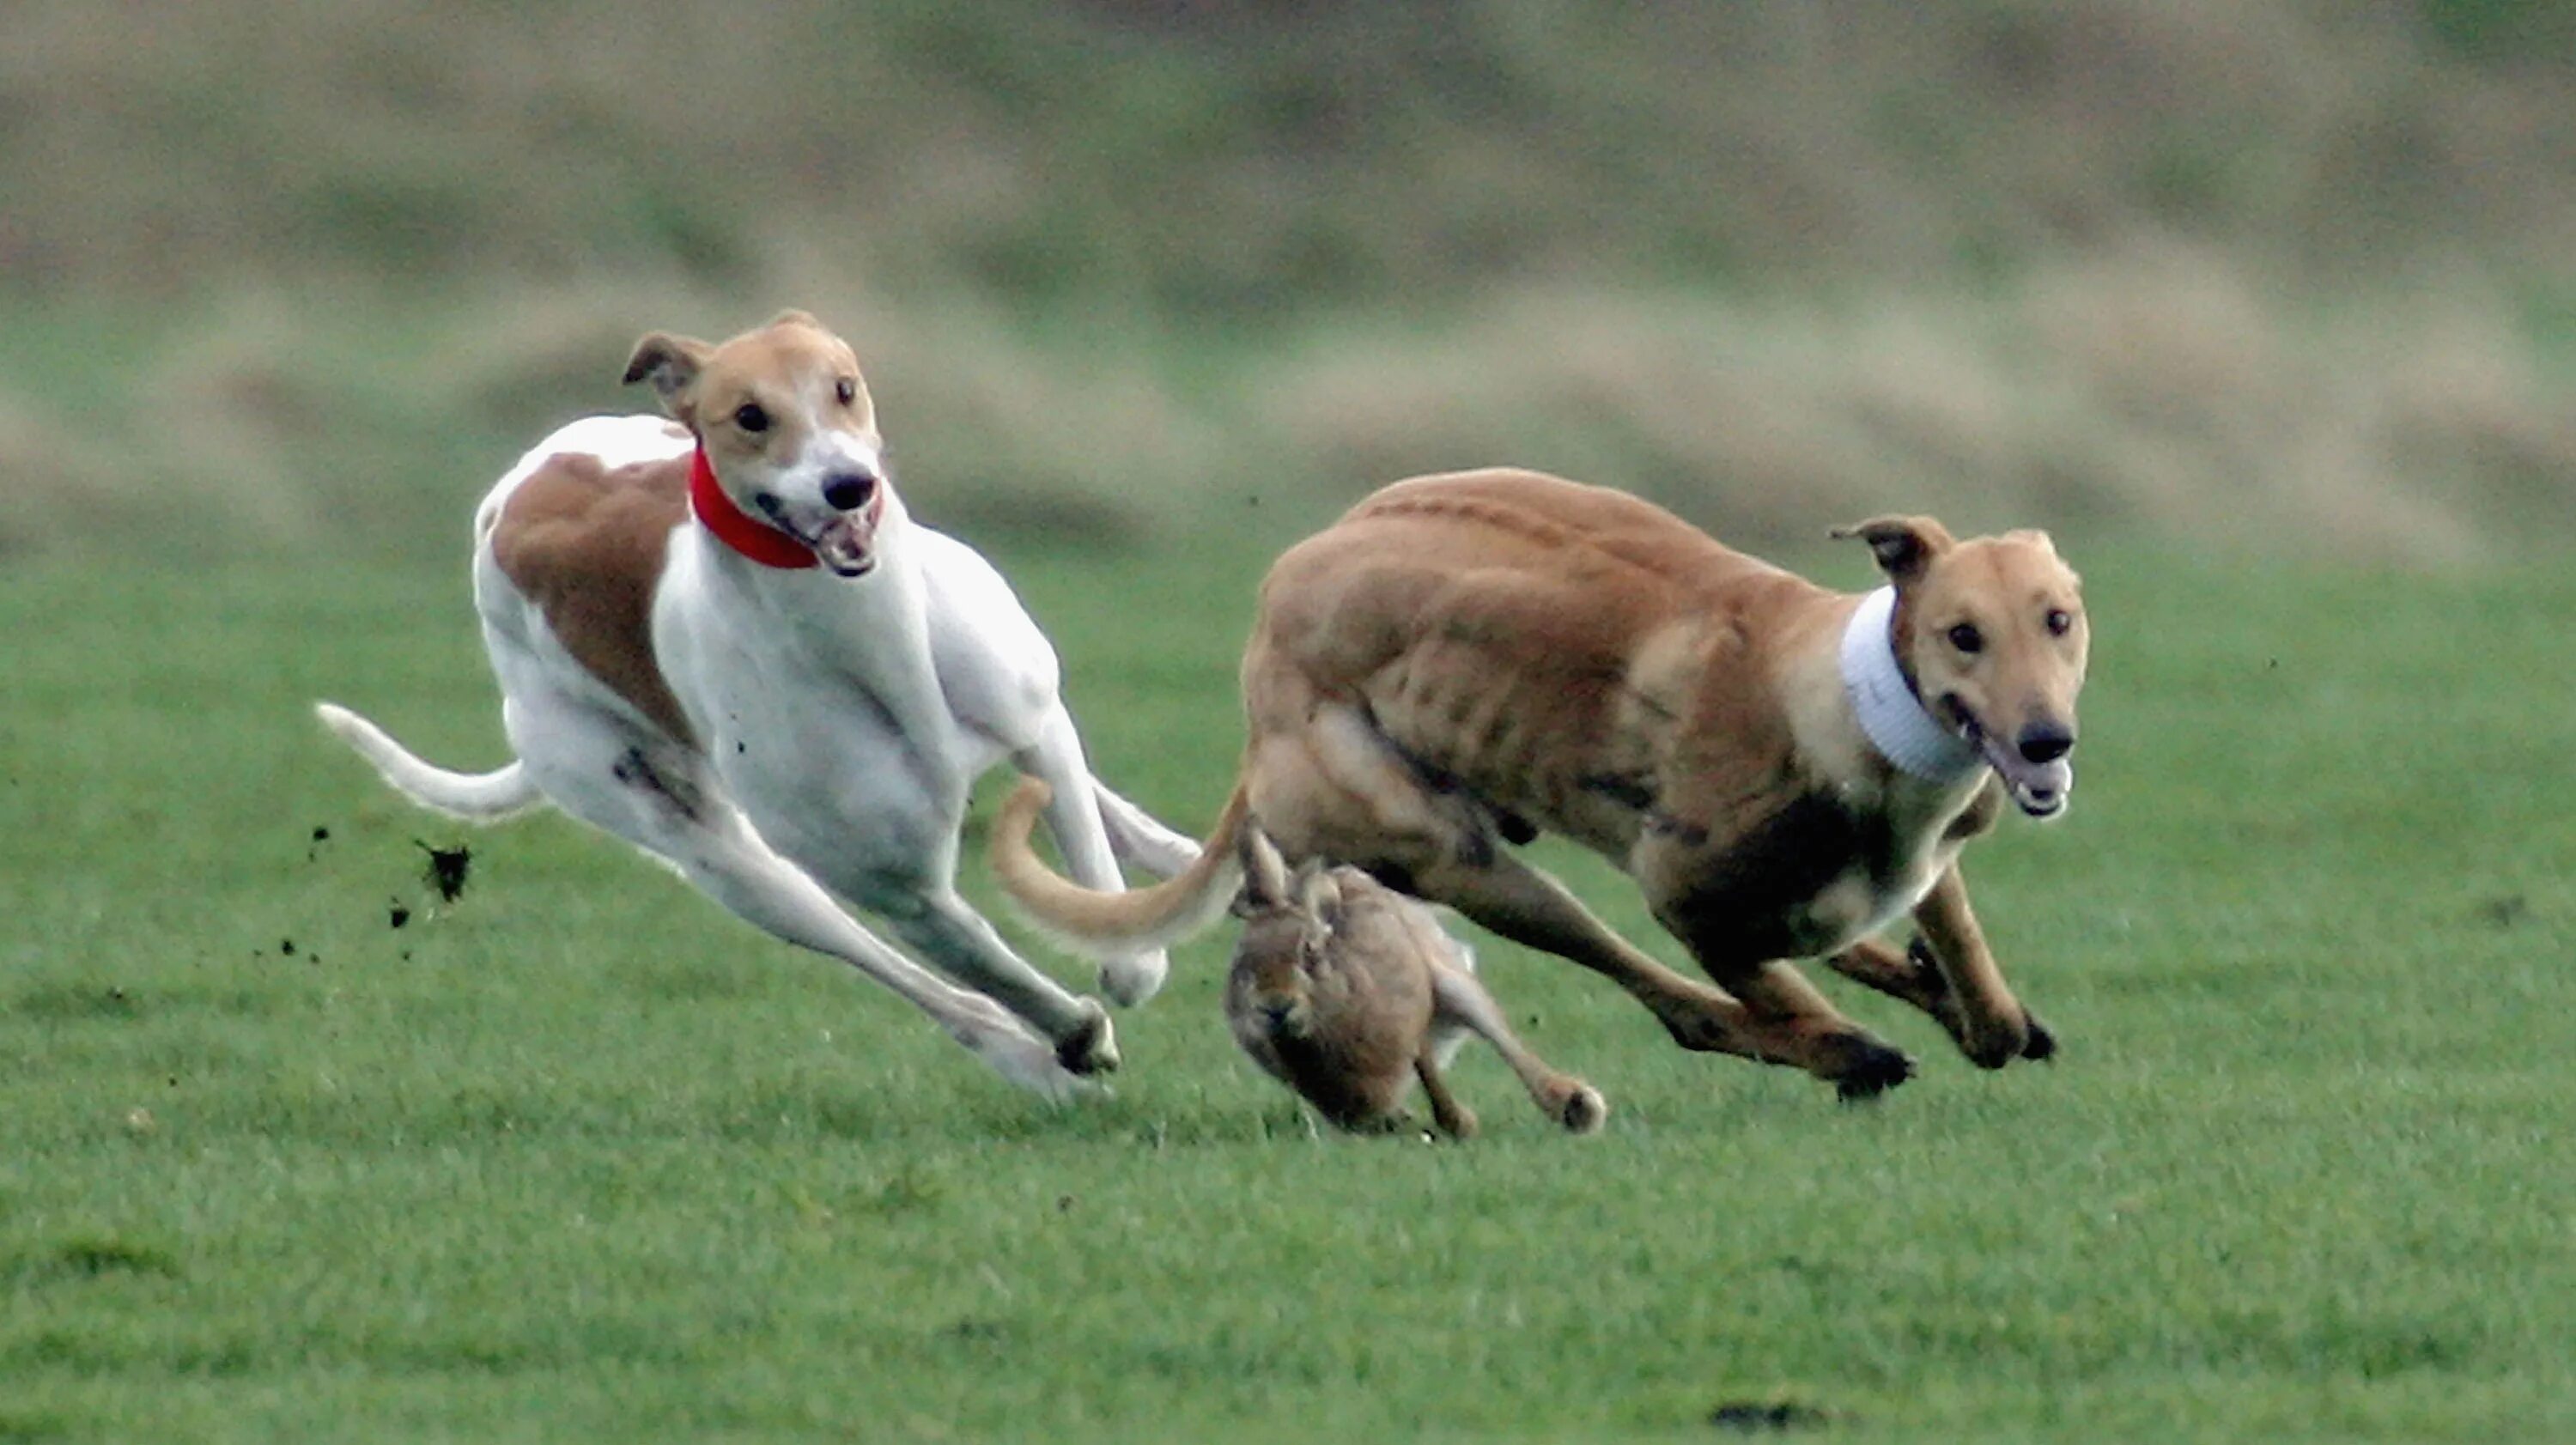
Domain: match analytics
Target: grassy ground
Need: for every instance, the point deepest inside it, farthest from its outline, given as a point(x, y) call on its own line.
point(578, 1157)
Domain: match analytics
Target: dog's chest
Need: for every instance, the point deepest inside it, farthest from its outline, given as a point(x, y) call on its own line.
point(842, 724)
point(1809, 878)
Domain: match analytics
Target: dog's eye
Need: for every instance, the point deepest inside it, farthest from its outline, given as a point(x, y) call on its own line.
point(847, 389)
point(2058, 621)
point(751, 417)
point(1967, 638)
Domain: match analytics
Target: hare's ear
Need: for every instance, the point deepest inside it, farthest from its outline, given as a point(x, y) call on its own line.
point(1319, 893)
point(1265, 876)
point(1319, 905)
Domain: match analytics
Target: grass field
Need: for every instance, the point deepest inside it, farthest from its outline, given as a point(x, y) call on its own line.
point(577, 1157)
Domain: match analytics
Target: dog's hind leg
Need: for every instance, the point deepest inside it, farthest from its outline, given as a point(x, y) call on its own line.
point(1073, 815)
point(625, 781)
point(1458, 998)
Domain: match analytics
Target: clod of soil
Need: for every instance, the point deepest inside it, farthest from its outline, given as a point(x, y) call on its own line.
point(447, 869)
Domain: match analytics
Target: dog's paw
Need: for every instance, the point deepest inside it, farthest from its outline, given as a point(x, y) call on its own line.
point(1998, 1042)
point(1872, 1070)
point(1581, 1109)
point(1091, 1047)
point(1132, 980)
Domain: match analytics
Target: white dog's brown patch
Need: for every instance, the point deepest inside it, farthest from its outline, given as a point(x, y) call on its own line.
point(586, 543)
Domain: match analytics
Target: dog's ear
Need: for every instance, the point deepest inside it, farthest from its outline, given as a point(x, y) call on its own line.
point(671, 363)
point(2032, 536)
point(1904, 546)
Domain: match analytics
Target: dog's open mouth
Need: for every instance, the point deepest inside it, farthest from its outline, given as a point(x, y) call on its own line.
point(846, 544)
point(2038, 789)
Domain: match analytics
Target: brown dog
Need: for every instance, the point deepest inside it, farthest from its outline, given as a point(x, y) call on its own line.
point(1465, 660)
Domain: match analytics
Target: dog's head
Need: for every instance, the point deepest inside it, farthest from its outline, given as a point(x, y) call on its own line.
point(1991, 633)
point(788, 430)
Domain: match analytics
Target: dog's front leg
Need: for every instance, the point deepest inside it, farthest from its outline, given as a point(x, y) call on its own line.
point(1073, 818)
point(1993, 1027)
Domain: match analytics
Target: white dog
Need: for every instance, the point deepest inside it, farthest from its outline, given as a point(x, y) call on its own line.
point(721, 639)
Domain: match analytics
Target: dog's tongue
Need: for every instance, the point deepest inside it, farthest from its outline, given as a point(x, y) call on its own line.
point(2039, 788)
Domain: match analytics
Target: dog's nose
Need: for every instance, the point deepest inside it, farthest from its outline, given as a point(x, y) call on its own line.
point(2045, 742)
point(849, 491)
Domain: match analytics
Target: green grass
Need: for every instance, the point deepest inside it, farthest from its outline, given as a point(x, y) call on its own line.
point(579, 1157)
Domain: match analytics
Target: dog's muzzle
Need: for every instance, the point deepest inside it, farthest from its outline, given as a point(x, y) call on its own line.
point(847, 542)
point(2036, 766)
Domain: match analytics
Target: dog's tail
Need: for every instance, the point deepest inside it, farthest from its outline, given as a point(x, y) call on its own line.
point(1108, 925)
point(474, 797)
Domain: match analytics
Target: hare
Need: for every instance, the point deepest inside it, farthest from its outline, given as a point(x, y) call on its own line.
point(1346, 991)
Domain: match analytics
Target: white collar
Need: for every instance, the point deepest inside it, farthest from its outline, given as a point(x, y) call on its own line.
point(1897, 723)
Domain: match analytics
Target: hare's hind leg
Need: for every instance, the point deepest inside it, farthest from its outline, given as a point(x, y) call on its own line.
point(1462, 1001)
point(1451, 1117)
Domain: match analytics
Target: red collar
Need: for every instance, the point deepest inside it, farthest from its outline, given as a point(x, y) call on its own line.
point(734, 527)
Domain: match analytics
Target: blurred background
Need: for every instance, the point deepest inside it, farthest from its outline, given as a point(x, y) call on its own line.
point(2250, 274)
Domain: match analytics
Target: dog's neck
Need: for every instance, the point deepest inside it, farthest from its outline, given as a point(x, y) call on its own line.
point(738, 529)
point(1899, 726)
